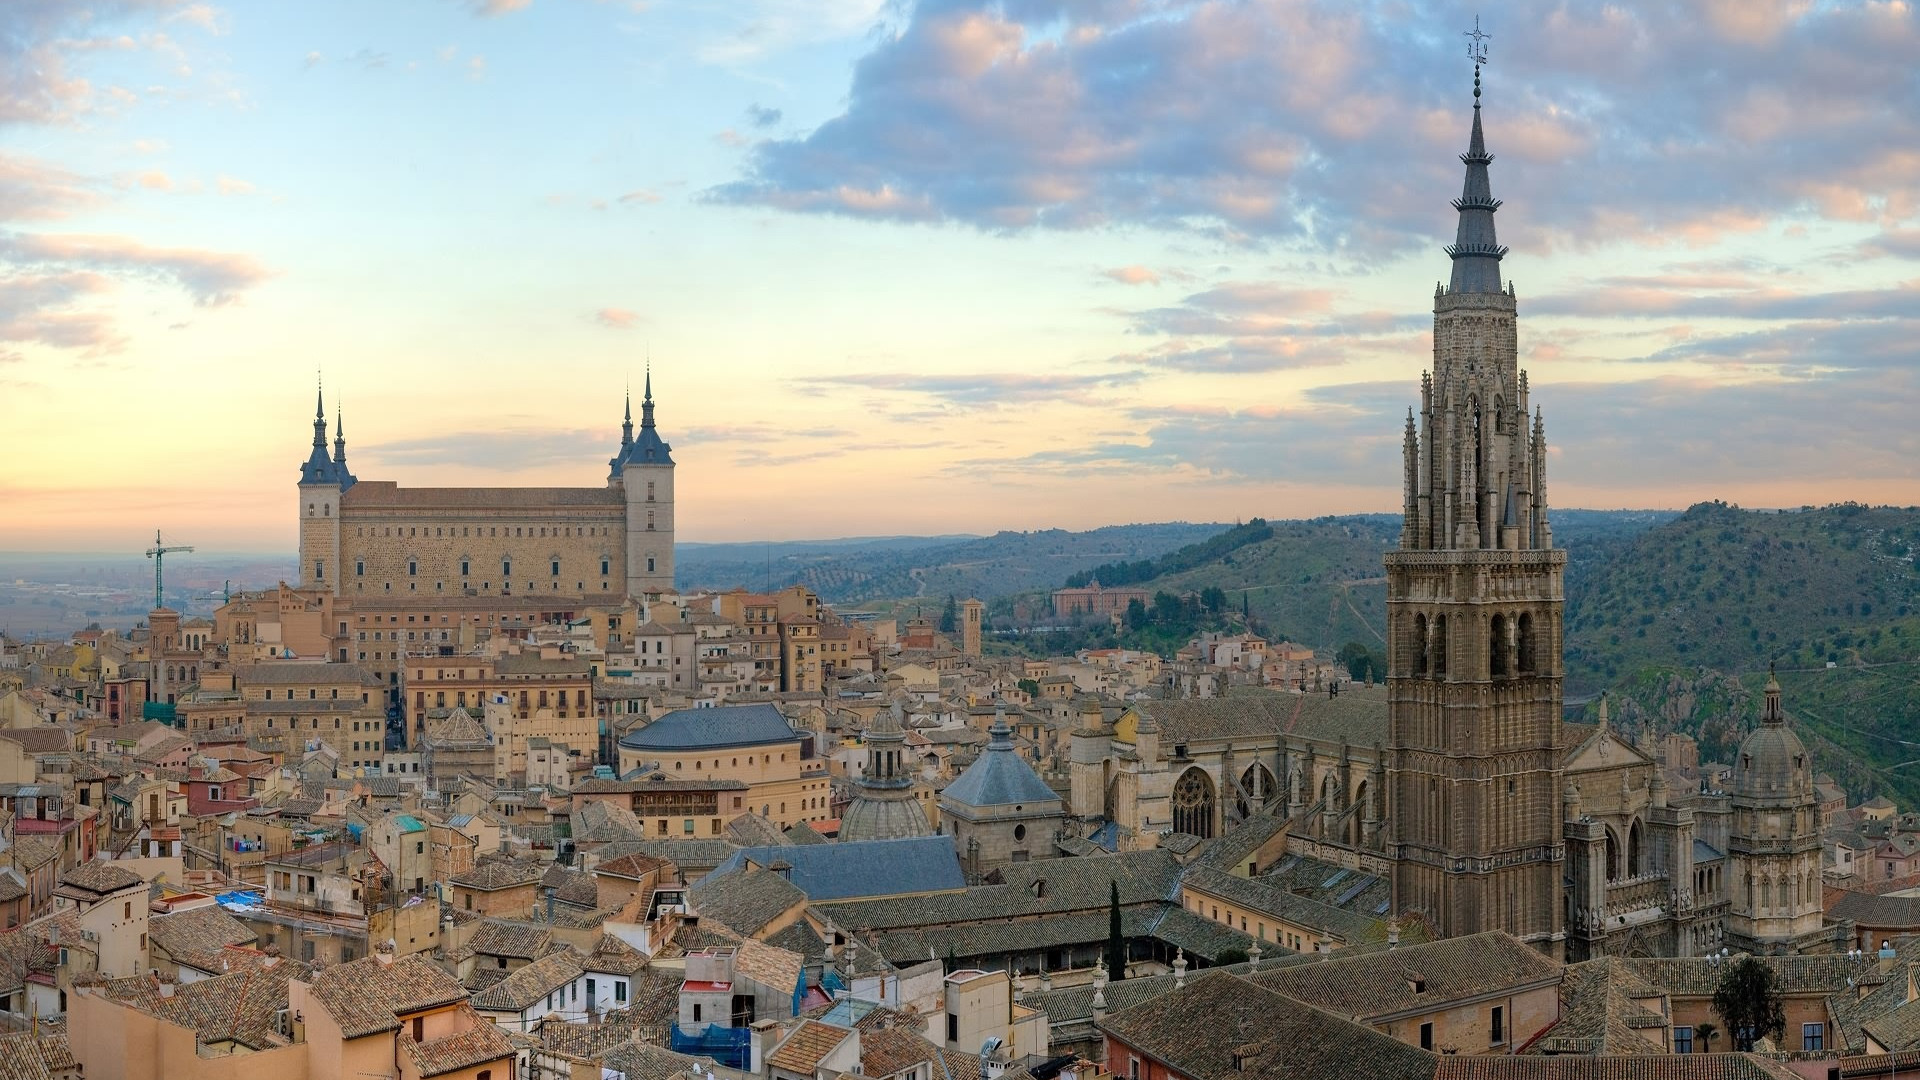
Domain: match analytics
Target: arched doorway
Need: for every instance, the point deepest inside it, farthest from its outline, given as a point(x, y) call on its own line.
point(1193, 804)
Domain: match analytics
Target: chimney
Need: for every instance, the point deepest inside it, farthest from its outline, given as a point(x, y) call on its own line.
point(759, 1036)
point(384, 953)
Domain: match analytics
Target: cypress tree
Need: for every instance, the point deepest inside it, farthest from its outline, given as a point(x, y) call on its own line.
point(1116, 941)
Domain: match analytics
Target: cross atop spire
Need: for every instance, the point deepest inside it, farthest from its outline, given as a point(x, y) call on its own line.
point(626, 425)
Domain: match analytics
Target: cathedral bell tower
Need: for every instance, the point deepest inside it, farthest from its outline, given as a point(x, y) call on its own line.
point(1474, 609)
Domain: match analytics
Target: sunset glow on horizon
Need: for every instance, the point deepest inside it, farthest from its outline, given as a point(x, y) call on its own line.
point(940, 266)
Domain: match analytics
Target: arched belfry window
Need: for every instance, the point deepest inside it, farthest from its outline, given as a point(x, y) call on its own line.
point(1497, 648)
point(1439, 646)
point(1420, 644)
point(1528, 656)
point(1636, 854)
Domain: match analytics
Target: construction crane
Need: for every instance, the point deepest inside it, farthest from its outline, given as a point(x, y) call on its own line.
point(158, 553)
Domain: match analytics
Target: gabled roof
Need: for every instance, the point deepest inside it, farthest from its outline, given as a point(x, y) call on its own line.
point(198, 937)
point(100, 878)
point(1201, 1029)
point(368, 996)
point(1413, 978)
point(807, 1046)
point(526, 987)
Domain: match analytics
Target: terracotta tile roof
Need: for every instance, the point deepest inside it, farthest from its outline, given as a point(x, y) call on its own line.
point(198, 937)
point(1577, 1067)
point(527, 987)
point(239, 1007)
point(100, 878)
point(631, 867)
point(1199, 1031)
point(1602, 1012)
point(768, 965)
point(639, 1061)
point(367, 996)
point(490, 874)
point(1413, 979)
point(478, 1042)
point(1830, 973)
point(25, 1055)
point(305, 673)
point(615, 957)
point(515, 941)
point(745, 901)
point(807, 1045)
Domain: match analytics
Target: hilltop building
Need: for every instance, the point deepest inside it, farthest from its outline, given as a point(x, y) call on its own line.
point(368, 538)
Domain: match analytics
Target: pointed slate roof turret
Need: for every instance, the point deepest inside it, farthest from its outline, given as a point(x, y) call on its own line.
point(1475, 251)
point(648, 448)
point(319, 467)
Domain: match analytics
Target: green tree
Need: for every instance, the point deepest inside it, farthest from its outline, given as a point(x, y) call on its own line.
point(1136, 614)
point(1703, 1035)
point(1116, 940)
point(1361, 662)
point(1031, 687)
point(1749, 1002)
point(1214, 599)
point(1231, 956)
point(950, 616)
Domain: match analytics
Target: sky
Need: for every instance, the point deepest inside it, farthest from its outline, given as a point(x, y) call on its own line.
point(937, 266)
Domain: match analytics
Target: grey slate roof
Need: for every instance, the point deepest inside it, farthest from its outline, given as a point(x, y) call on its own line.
point(862, 868)
point(688, 730)
point(999, 777)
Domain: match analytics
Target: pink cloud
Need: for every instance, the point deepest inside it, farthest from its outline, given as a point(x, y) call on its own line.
point(212, 278)
point(614, 318)
point(1132, 275)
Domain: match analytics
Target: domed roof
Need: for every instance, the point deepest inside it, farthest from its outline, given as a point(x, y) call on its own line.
point(871, 816)
point(1773, 762)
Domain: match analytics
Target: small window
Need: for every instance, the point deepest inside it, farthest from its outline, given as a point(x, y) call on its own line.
point(1426, 1036)
point(1499, 1025)
point(1682, 1040)
point(1813, 1037)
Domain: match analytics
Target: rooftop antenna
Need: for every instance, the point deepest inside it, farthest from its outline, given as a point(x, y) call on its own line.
point(158, 553)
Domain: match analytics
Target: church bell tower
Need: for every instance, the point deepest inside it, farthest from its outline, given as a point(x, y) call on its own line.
point(1474, 610)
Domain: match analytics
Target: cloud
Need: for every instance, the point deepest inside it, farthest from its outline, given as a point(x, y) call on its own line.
point(313, 60)
point(39, 309)
point(488, 9)
point(155, 180)
point(38, 39)
point(31, 189)
point(755, 28)
point(614, 318)
point(228, 185)
point(1623, 123)
point(203, 16)
point(212, 278)
point(1259, 326)
point(476, 67)
point(639, 195)
point(977, 391)
point(368, 59)
point(1131, 275)
point(761, 116)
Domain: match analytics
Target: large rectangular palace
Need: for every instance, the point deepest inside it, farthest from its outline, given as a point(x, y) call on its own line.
point(370, 538)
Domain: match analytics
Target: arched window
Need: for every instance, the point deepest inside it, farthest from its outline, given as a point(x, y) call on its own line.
point(1497, 648)
point(1527, 654)
point(1193, 804)
point(1636, 853)
point(1356, 822)
point(1439, 646)
point(1613, 856)
point(1258, 789)
point(1420, 644)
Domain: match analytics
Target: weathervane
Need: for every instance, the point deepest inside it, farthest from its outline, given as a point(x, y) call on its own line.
point(1476, 43)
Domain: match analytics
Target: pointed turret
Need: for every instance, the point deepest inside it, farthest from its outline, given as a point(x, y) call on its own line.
point(340, 472)
point(319, 468)
point(1475, 251)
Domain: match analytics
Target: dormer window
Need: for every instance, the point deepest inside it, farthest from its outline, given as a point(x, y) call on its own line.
point(1417, 983)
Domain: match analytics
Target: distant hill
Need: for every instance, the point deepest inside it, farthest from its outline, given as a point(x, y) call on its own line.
point(1728, 589)
point(860, 571)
